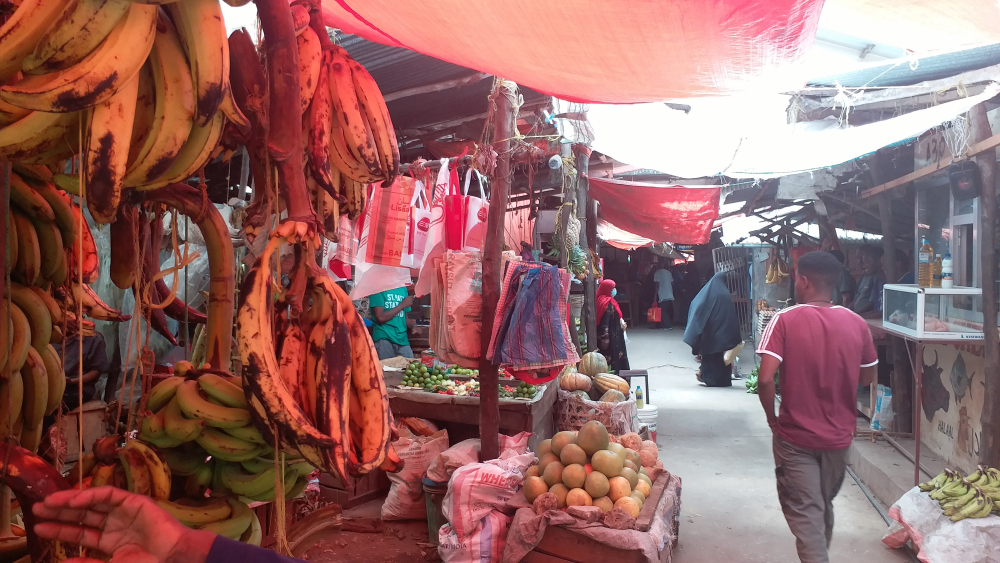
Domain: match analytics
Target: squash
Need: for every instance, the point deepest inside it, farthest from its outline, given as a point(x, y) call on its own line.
point(571, 380)
point(592, 364)
point(607, 381)
point(612, 396)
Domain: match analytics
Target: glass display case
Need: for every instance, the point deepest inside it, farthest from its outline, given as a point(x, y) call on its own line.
point(932, 312)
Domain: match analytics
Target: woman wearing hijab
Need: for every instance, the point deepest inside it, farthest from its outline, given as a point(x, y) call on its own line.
point(611, 327)
point(712, 330)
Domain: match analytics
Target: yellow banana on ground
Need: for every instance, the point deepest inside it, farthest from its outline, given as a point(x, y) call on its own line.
point(374, 108)
point(345, 101)
point(237, 523)
point(197, 151)
point(36, 390)
point(159, 473)
point(57, 378)
point(37, 313)
point(197, 513)
point(173, 114)
point(106, 153)
point(222, 390)
point(98, 76)
point(220, 445)
point(29, 258)
point(20, 338)
point(50, 247)
point(37, 133)
point(310, 59)
point(11, 393)
point(78, 31)
point(29, 201)
point(218, 416)
point(163, 392)
point(178, 427)
point(24, 29)
point(203, 33)
point(136, 471)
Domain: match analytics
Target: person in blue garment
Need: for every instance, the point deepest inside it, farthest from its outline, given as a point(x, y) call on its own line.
point(133, 529)
point(904, 268)
point(389, 321)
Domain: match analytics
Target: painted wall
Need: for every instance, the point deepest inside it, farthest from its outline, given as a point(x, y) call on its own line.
point(952, 402)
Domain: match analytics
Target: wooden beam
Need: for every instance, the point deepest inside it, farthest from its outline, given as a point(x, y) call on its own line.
point(430, 88)
point(504, 94)
point(583, 204)
point(990, 418)
point(975, 149)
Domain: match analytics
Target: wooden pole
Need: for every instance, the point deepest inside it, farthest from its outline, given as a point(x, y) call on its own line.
point(503, 98)
point(583, 204)
point(989, 452)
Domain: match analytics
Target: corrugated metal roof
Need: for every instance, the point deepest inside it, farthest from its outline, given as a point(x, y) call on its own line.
point(904, 72)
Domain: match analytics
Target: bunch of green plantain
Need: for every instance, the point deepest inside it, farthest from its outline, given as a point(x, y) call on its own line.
point(972, 496)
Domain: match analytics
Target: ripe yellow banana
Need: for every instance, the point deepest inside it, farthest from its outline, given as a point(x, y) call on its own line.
point(345, 101)
point(173, 115)
point(300, 18)
point(98, 76)
point(136, 471)
point(344, 160)
point(178, 427)
point(222, 390)
point(292, 364)
point(236, 524)
point(57, 378)
point(29, 259)
point(36, 390)
point(102, 476)
point(50, 247)
point(29, 201)
point(159, 473)
point(320, 129)
point(194, 406)
point(197, 513)
point(11, 393)
point(334, 383)
point(151, 430)
point(78, 31)
point(37, 133)
point(310, 60)
point(62, 208)
point(203, 33)
point(11, 114)
point(194, 154)
point(24, 29)
point(5, 332)
point(20, 338)
point(374, 108)
point(314, 373)
point(162, 393)
point(220, 445)
point(37, 313)
point(106, 154)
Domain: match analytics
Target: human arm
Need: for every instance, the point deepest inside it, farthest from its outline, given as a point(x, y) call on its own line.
point(847, 299)
point(765, 387)
point(382, 316)
point(869, 358)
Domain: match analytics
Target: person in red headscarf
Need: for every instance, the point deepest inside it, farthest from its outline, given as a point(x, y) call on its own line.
point(611, 327)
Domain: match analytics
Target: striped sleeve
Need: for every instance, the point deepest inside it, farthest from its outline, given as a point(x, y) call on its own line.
point(773, 340)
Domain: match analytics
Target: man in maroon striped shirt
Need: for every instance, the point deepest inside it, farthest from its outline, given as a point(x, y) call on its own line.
point(824, 352)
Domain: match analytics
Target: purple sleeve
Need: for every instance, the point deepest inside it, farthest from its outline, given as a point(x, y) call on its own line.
point(225, 550)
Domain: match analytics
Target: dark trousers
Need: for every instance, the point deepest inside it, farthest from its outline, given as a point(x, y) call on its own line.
point(666, 313)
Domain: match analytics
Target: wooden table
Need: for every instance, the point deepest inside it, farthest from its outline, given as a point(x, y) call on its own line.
point(515, 415)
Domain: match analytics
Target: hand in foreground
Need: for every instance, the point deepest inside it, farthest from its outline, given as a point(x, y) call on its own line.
point(130, 527)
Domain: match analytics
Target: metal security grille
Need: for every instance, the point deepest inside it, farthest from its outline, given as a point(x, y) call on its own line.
point(735, 262)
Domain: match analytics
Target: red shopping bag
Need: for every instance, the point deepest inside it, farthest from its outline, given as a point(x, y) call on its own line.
point(653, 315)
point(455, 214)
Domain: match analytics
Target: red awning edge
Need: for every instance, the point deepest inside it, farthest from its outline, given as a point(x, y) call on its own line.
point(675, 214)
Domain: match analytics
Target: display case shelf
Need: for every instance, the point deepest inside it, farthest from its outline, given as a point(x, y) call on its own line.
point(932, 312)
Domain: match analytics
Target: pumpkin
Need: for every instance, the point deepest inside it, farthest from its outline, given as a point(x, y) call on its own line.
point(613, 396)
point(592, 364)
point(607, 381)
point(571, 380)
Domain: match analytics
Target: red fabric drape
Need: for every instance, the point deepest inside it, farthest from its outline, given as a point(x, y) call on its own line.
point(677, 214)
point(610, 51)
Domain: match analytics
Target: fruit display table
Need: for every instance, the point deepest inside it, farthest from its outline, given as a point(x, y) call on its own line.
point(516, 415)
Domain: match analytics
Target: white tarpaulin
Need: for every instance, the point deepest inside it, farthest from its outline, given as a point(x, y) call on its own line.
point(744, 137)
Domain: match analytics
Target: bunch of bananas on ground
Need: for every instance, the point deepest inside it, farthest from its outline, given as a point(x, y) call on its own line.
point(348, 134)
point(973, 496)
point(139, 90)
point(310, 364)
point(777, 270)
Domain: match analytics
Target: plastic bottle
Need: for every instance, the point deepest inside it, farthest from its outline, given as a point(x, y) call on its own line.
point(936, 270)
point(638, 397)
point(925, 274)
point(947, 275)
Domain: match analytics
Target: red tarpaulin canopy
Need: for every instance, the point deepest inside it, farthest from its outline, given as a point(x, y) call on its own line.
point(610, 51)
point(677, 214)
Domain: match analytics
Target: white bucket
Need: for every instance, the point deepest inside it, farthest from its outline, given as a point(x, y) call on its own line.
point(647, 415)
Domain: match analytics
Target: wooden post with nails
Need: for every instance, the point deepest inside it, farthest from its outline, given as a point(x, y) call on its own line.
point(504, 95)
